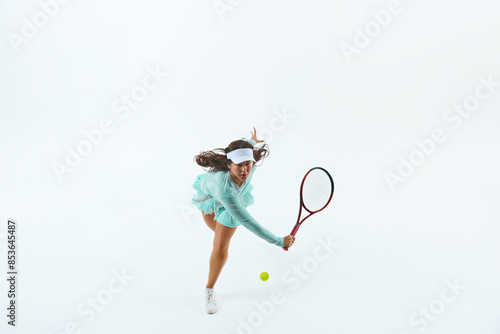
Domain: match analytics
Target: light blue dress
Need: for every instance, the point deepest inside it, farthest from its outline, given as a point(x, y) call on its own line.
point(217, 193)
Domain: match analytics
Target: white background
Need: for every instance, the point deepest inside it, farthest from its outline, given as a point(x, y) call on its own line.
point(126, 206)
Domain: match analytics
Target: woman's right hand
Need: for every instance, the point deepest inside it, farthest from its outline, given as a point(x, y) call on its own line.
point(289, 240)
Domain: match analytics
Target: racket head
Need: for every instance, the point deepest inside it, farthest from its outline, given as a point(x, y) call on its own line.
point(316, 190)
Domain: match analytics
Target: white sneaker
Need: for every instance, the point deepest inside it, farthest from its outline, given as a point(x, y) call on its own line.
point(210, 303)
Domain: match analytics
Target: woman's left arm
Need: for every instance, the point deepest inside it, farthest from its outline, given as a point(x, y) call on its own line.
point(254, 137)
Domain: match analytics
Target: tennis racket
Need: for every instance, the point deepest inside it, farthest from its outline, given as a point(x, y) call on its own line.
point(316, 192)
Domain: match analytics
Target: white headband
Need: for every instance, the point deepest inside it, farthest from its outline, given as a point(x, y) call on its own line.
point(240, 155)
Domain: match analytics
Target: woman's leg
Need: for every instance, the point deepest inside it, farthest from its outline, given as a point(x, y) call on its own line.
point(220, 252)
point(209, 220)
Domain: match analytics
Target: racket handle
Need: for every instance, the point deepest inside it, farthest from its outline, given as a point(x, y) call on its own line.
point(294, 231)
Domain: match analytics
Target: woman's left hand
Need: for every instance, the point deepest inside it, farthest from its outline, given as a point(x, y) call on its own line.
point(254, 136)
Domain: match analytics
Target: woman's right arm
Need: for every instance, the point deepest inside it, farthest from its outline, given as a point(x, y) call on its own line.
point(241, 214)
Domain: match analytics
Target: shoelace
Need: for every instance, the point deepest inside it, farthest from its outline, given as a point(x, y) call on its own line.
point(210, 298)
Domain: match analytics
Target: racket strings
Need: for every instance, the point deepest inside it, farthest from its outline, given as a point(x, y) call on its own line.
point(317, 190)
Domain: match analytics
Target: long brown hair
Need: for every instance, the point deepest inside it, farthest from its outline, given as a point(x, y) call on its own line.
point(218, 161)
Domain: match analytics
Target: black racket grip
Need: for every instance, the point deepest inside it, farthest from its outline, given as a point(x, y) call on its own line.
point(294, 231)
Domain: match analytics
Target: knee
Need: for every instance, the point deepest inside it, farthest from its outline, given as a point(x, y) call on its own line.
point(220, 248)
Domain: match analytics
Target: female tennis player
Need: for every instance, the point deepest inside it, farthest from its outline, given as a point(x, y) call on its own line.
point(223, 194)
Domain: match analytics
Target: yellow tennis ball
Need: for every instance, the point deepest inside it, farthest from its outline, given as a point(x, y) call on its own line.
point(264, 276)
